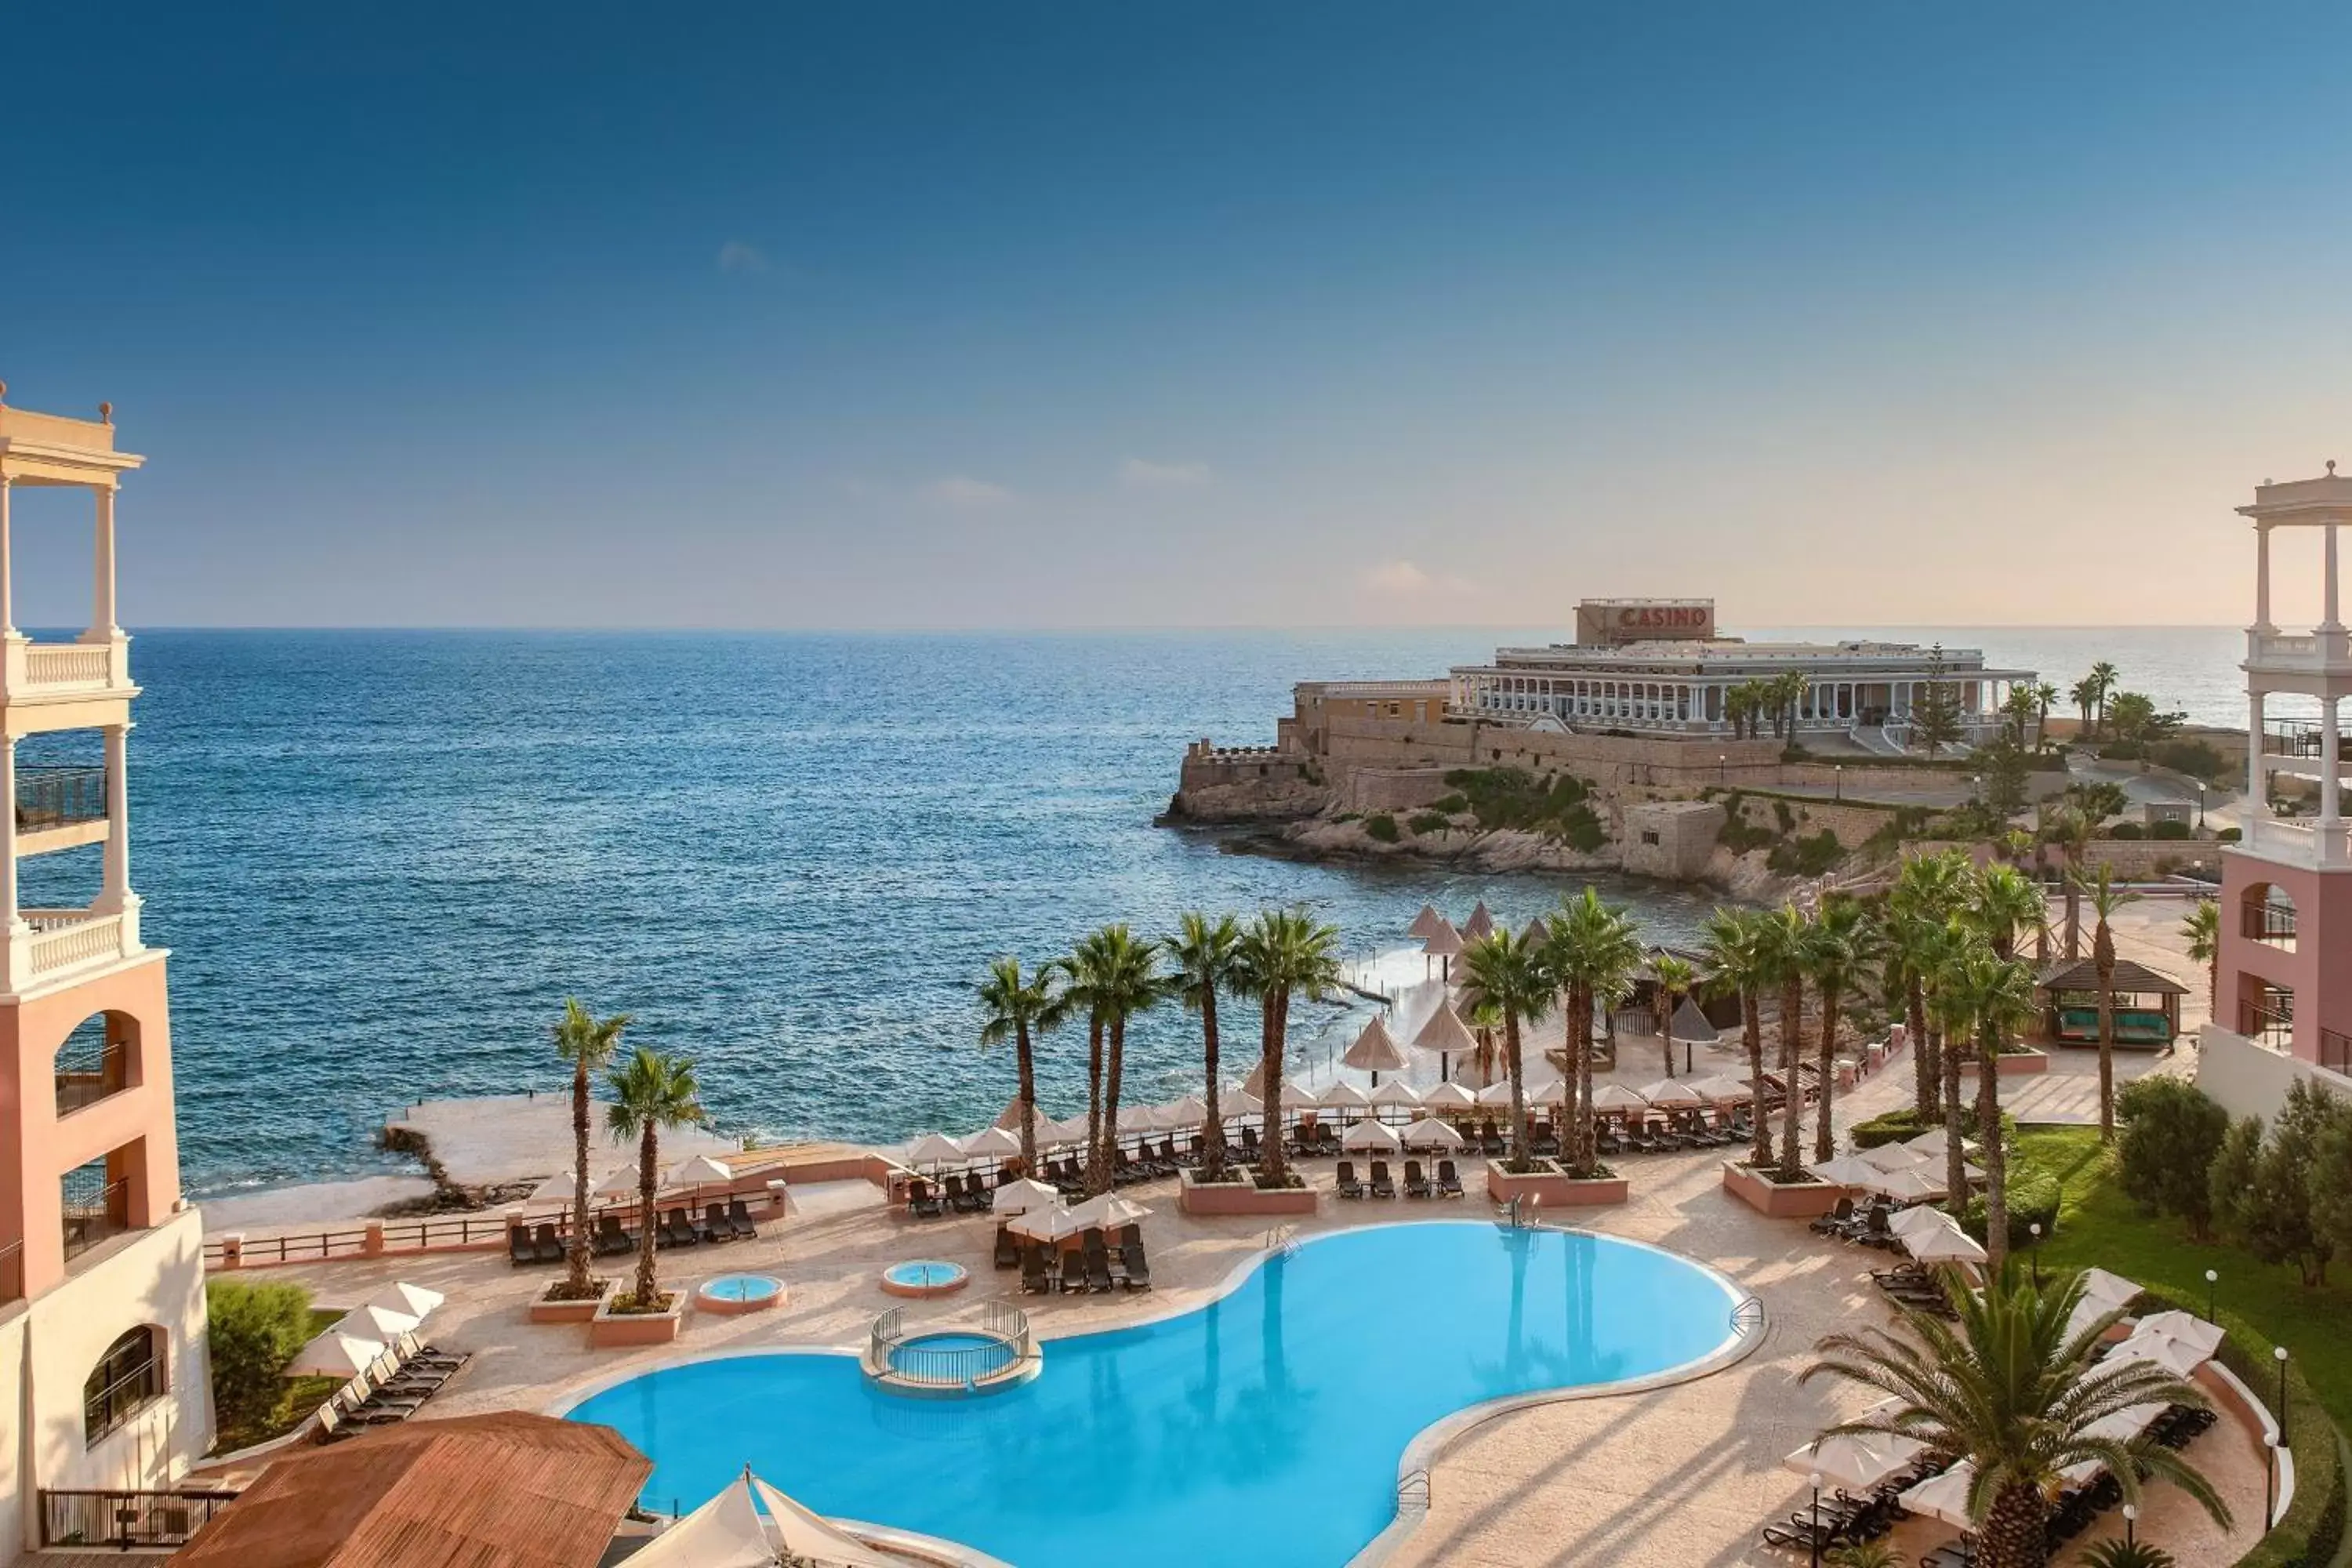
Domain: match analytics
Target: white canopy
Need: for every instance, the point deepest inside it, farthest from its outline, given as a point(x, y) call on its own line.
point(620, 1179)
point(1905, 1186)
point(1903, 1222)
point(1893, 1156)
point(2176, 1356)
point(2186, 1327)
point(934, 1149)
point(1944, 1496)
point(558, 1189)
point(1394, 1094)
point(1446, 1033)
point(1375, 1050)
point(1136, 1119)
point(2111, 1292)
point(1372, 1138)
point(1188, 1111)
point(1718, 1088)
point(1297, 1096)
point(1044, 1224)
point(1343, 1096)
point(1449, 1096)
point(335, 1355)
point(1023, 1196)
point(1945, 1243)
point(1431, 1133)
point(413, 1300)
point(1855, 1459)
point(1669, 1092)
point(805, 1534)
point(372, 1322)
point(1616, 1097)
point(724, 1533)
point(992, 1143)
point(1845, 1171)
point(1108, 1211)
point(1240, 1102)
point(1932, 1142)
point(1553, 1093)
point(701, 1170)
point(1424, 924)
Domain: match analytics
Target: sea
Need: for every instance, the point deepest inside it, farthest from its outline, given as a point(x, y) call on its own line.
point(382, 859)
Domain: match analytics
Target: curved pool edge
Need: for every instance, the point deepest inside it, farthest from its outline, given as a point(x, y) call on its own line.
point(1420, 1451)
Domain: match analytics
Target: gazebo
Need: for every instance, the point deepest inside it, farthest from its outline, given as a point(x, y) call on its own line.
point(2148, 1004)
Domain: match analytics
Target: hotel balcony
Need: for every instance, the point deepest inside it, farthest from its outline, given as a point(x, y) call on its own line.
point(2290, 842)
point(60, 944)
point(2298, 653)
point(59, 807)
point(54, 672)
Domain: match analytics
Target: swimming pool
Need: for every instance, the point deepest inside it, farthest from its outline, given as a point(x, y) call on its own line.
point(1271, 1421)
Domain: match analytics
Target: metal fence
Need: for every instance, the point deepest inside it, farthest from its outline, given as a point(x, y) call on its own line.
point(1002, 1340)
point(2268, 922)
point(87, 1080)
point(2335, 1053)
point(90, 1219)
point(2273, 1027)
point(59, 796)
point(125, 1518)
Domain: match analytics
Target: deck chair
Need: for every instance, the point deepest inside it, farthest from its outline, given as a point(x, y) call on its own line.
point(1383, 1185)
point(1449, 1180)
point(1416, 1185)
point(1349, 1187)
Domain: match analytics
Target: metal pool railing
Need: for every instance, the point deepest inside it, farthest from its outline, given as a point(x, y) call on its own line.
point(1003, 1333)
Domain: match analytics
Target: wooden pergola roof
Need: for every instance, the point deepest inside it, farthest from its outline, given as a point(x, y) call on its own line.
point(501, 1490)
point(2132, 979)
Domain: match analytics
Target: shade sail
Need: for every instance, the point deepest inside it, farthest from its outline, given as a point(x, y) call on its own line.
point(1396, 1094)
point(1431, 1133)
point(1424, 924)
point(1372, 1138)
point(1449, 1097)
point(1023, 1196)
point(1375, 1050)
point(370, 1322)
point(1944, 1496)
point(415, 1300)
point(1855, 1459)
point(724, 1533)
point(1343, 1096)
point(335, 1353)
point(1893, 1156)
point(807, 1535)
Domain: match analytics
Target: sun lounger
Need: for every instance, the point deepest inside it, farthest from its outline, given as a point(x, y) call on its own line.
point(1139, 1267)
point(677, 1230)
point(611, 1240)
point(1034, 1280)
point(1449, 1180)
point(519, 1249)
point(714, 1223)
point(1349, 1187)
point(1097, 1262)
point(1383, 1185)
point(1008, 1250)
point(1829, 1223)
point(546, 1246)
point(740, 1220)
point(922, 1201)
point(1416, 1185)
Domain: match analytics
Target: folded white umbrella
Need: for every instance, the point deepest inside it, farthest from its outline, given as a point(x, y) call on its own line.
point(1855, 1459)
point(1720, 1089)
point(1944, 1496)
point(1904, 1186)
point(1894, 1156)
point(335, 1355)
point(368, 1322)
point(1945, 1243)
point(992, 1143)
point(1845, 1171)
point(1023, 1196)
point(1188, 1111)
point(1298, 1097)
point(934, 1149)
point(1431, 1133)
point(2186, 1327)
point(2175, 1356)
point(411, 1300)
point(1371, 1137)
point(1396, 1094)
point(1669, 1093)
point(1108, 1212)
point(699, 1170)
point(1343, 1096)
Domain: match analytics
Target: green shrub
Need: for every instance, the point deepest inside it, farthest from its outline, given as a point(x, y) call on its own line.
point(1806, 856)
point(2033, 1196)
point(2198, 759)
point(1558, 806)
point(1382, 828)
point(1784, 816)
point(254, 1331)
point(2231, 835)
point(2169, 829)
point(2127, 830)
point(2171, 1130)
point(1894, 1126)
point(1427, 822)
point(1450, 804)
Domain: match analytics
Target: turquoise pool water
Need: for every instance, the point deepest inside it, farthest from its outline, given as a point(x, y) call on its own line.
point(1271, 1421)
point(924, 1276)
point(741, 1287)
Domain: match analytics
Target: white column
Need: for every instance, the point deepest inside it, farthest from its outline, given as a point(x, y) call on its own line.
point(2329, 750)
point(7, 610)
point(9, 917)
point(2263, 577)
point(2332, 623)
point(2257, 797)
point(101, 608)
point(116, 888)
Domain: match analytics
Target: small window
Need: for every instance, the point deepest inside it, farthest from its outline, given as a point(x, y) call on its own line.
point(1649, 835)
point(125, 1379)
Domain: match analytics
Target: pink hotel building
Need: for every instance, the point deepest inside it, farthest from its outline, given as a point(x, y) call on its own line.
point(2282, 1006)
point(104, 1383)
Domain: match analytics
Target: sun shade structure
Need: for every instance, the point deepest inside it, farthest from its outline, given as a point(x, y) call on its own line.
point(1395, 1095)
point(1448, 1097)
point(934, 1149)
point(2175, 1356)
point(1344, 1097)
point(1945, 1243)
point(1669, 1092)
point(1108, 1212)
point(1445, 942)
point(1188, 1111)
point(1904, 1186)
point(992, 1143)
point(1845, 1171)
point(1613, 1097)
point(1903, 1222)
point(1298, 1096)
point(1480, 924)
point(501, 1490)
point(698, 1171)
point(2186, 1327)
point(335, 1353)
point(1241, 1102)
point(1855, 1459)
point(724, 1533)
point(1719, 1089)
point(806, 1534)
point(413, 1300)
point(1424, 924)
point(1944, 1496)
point(1893, 1157)
point(1375, 1050)
point(1136, 1119)
point(1690, 1024)
point(1372, 1138)
point(1431, 1133)
point(2111, 1292)
point(1023, 1196)
point(1447, 1035)
point(369, 1322)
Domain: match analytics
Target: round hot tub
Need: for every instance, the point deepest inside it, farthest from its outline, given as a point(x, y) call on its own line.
point(925, 1277)
point(739, 1293)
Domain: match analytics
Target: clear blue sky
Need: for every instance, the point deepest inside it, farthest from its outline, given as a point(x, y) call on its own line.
point(991, 314)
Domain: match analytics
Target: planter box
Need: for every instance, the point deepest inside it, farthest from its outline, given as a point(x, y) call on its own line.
point(608, 1330)
point(543, 1310)
point(1796, 1200)
point(1242, 1198)
point(1551, 1188)
point(2009, 1064)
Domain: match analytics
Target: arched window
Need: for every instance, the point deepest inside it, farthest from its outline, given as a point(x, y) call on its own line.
point(128, 1375)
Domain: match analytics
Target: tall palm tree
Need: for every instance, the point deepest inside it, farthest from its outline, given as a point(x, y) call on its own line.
point(1083, 970)
point(2005, 903)
point(1843, 948)
point(1997, 992)
point(1735, 963)
point(1784, 938)
point(1282, 953)
point(2084, 695)
point(1674, 977)
point(652, 1093)
point(1592, 951)
point(1951, 1012)
point(2202, 927)
point(1203, 950)
point(587, 1042)
point(2044, 695)
point(2105, 678)
point(2006, 1387)
point(1508, 973)
point(1019, 1008)
point(2106, 900)
point(1925, 893)
point(1119, 975)
point(2071, 829)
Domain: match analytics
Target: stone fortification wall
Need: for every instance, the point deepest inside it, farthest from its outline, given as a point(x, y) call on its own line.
point(1671, 838)
point(1853, 824)
point(1393, 789)
point(2132, 860)
point(1239, 784)
point(1612, 762)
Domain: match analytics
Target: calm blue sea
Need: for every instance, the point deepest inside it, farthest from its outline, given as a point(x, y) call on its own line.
point(382, 859)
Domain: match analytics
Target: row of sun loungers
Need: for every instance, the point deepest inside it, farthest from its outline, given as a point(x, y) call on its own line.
point(1418, 1184)
point(1687, 1130)
point(729, 1221)
point(1096, 1267)
point(391, 1391)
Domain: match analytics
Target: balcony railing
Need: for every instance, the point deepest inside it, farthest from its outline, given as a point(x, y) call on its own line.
point(68, 664)
point(92, 1218)
point(2295, 843)
point(2271, 1026)
point(62, 939)
point(12, 1272)
point(2336, 1051)
point(2268, 922)
point(124, 1520)
point(59, 796)
point(87, 1083)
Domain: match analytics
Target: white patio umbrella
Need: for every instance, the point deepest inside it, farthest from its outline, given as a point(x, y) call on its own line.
point(1343, 1096)
point(1894, 1156)
point(1074, 1131)
point(1720, 1089)
point(1431, 1133)
point(2186, 1327)
point(1845, 1171)
point(992, 1143)
point(934, 1149)
point(1241, 1102)
point(699, 1170)
point(1446, 1035)
point(1856, 1459)
point(2111, 1292)
point(806, 1534)
point(366, 1322)
point(1669, 1093)
point(1023, 1196)
point(621, 1181)
point(1369, 1137)
point(1044, 1224)
point(1395, 1095)
point(2176, 1356)
point(1375, 1051)
point(1615, 1097)
point(1944, 1496)
point(1932, 1142)
point(1448, 1097)
point(1903, 1222)
point(335, 1355)
point(413, 1300)
point(1498, 1093)
point(1904, 1186)
point(1553, 1093)
point(1946, 1243)
point(1188, 1111)
point(558, 1189)
point(1108, 1212)
point(1424, 924)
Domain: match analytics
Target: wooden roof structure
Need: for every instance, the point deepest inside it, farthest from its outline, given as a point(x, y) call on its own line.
point(506, 1490)
point(2131, 979)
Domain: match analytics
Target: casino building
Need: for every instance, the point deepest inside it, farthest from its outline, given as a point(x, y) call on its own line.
point(1657, 667)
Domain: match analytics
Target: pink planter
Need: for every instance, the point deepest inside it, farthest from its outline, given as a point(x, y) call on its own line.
point(1552, 1188)
point(2009, 1064)
point(1244, 1198)
point(543, 1310)
point(608, 1330)
point(1801, 1200)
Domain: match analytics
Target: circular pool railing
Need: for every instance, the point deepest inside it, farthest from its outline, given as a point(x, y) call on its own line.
point(952, 1357)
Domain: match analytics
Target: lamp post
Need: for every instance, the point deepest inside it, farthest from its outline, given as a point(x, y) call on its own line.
point(2212, 1279)
point(1837, 781)
point(2270, 1479)
point(2131, 1517)
point(2200, 805)
point(2035, 1253)
point(2279, 1354)
point(1815, 1534)
point(1722, 768)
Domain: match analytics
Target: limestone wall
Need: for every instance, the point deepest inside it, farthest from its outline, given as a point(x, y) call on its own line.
point(1393, 789)
point(2248, 1079)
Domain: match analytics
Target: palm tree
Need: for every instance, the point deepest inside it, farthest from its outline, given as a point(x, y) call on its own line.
point(2105, 678)
point(1735, 963)
point(1997, 992)
point(1673, 976)
point(2006, 1387)
point(1082, 968)
point(2071, 829)
point(2202, 927)
point(1282, 954)
point(2044, 695)
point(651, 1094)
point(588, 1043)
point(1949, 1010)
point(1592, 951)
point(1019, 1008)
point(1508, 973)
point(1203, 952)
point(1119, 976)
point(2084, 695)
point(1844, 947)
point(1926, 892)
point(2106, 900)
point(2003, 904)
point(1784, 939)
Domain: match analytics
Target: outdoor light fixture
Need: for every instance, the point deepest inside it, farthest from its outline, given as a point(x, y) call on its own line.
point(2280, 1355)
point(2131, 1517)
point(2213, 1279)
point(2035, 1252)
point(1815, 1534)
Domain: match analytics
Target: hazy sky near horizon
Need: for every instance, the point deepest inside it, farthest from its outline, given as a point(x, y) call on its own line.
point(1024, 315)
